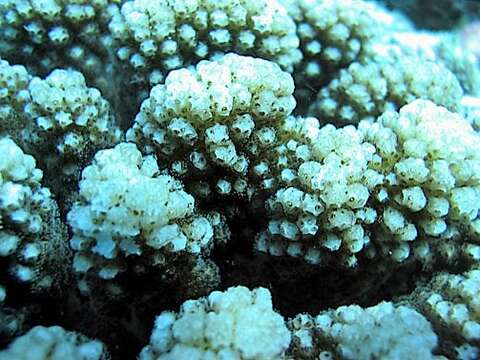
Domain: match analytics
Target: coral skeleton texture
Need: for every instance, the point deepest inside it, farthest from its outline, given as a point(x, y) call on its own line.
point(238, 179)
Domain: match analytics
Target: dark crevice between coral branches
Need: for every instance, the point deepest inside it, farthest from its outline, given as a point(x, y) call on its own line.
point(298, 287)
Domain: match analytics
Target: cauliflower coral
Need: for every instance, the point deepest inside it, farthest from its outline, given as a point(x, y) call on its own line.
point(271, 179)
point(237, 323)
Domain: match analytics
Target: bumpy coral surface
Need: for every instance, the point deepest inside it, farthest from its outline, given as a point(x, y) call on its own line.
point(32, 237)
point(393, 186)
point(127, 208)
point(235, 324)
point(14, 94)
point(53, 343)
point(215, 123)
point(451, 302)
point(365, 90)
point(434, 184)
point(152, 38)
point(74, 115)
point(383, 331)
point(332, 35)
point(164, 157)
point(461, 61)
point(59, 120)
point(324, 207)
point(48, 34)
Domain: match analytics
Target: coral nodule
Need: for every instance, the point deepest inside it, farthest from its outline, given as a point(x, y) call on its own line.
point(237, 179)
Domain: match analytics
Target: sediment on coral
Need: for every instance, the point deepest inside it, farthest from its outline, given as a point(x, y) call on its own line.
point(366, 90)
point(44, 35)
point(132, 217)
point(388, 189)
point(383, 331)
point(332, 34)
point(212, 126)
point(33, 239)
point(153, 38)
point(59, 120)
point(450, 302)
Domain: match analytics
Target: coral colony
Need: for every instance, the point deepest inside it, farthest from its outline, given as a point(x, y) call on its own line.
point(236, 179)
